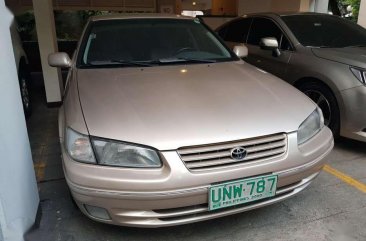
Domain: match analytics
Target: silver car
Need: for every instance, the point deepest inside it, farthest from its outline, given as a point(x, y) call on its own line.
point(162, 125)
point(322, 55)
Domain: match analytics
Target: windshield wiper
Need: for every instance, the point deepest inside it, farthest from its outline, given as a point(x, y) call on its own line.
point(185, 60)
point(356, 46)
point(146, 63)
point(113, 62)
point(135, 63)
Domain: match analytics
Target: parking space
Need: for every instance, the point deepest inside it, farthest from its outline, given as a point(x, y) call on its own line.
point(332, 208)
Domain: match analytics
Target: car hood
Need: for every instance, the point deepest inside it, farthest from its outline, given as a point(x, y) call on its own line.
point(354, 56)
point(168, 107)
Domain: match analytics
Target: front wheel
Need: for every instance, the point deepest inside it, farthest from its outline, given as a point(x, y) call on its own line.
point(25, 92)
point(326, 101)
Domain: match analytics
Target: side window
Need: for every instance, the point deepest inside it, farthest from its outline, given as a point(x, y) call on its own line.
point(236, 31)
point(263, 28)
point(222, 32)
point(285, 44)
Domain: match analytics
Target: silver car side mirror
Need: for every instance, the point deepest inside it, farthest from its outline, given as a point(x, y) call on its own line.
point(270, 43)
point(241, 51)
point(60, 59)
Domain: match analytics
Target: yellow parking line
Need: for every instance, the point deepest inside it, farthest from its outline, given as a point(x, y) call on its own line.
point(39, 169)
point(345, 178)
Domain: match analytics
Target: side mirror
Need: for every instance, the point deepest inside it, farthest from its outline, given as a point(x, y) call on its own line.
point(61, 60)
point(270, 43)
point(241, 51)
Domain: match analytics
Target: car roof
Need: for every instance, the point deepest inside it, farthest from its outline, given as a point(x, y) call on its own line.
point(281, 14)
point(138, 16)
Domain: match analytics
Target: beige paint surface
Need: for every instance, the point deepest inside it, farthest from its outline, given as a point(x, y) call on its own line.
point(47, 41)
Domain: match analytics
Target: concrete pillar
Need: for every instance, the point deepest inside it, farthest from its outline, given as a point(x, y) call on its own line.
point(46, 33)
point(18, 188)
point(362, 14)
point(319, 6)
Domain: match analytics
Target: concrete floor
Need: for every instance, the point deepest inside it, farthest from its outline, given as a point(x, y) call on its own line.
point(329, 209)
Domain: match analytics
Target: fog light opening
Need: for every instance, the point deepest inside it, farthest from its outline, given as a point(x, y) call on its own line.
point(97, 212)
point(364, 130)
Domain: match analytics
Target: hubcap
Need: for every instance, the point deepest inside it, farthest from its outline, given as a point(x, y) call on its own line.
point(24, 91)
point(323, 104)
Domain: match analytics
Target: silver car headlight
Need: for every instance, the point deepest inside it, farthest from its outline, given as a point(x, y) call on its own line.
point(121, 154)
point(311, 126)
point(78, 146)
point(360, 74)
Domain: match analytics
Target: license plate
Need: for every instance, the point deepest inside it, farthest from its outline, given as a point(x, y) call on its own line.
point(241, 191)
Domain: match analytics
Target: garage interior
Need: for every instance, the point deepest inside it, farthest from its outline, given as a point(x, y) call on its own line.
point(332, 208)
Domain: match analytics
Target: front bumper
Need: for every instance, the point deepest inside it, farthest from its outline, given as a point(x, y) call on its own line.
point(173, 195)
point(353, 114)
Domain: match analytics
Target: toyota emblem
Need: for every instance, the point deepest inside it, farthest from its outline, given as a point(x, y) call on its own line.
point(238, 153)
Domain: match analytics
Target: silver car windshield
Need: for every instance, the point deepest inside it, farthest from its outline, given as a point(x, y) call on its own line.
point(325, 31)
point(149, 42)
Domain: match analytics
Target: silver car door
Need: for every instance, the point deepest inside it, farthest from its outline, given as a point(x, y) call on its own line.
point(266, 59)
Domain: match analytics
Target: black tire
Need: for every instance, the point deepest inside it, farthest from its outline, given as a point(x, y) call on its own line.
point(325, 99)
point(24, 84)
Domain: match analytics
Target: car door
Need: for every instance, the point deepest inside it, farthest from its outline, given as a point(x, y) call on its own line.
point(235, 32)
point(262, 27)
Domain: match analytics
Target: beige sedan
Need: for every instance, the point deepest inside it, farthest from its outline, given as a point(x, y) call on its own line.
point(163, 125)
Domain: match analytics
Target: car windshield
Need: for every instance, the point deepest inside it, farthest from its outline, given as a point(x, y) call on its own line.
point(149, 42)
point(325, 31)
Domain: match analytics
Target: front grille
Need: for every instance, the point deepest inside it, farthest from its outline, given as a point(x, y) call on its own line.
point(218, 155)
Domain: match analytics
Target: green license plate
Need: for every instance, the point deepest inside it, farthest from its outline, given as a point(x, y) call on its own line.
point(241, 191)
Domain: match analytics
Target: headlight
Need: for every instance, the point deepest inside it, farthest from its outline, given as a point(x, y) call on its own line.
point(360, 74)
point(78, 146)
point(124, 155)
point(312, 125)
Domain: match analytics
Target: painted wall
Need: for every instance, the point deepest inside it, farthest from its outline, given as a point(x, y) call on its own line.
point(285, 5)
point(200, 4)
point(248, 6)
point(362, 14)
point(18, 189)
point(176, 6)
point(1, 234)
point(224, 7)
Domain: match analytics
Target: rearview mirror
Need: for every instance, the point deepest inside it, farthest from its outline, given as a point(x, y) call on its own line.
point(270, 43)
point(60, 59)
point(241, 51)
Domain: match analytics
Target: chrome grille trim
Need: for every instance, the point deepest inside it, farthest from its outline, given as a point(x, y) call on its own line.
point(215, 155)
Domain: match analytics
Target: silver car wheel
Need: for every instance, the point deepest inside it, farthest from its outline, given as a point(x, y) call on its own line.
point(323, 104)
point(24, 92)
